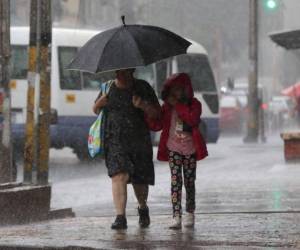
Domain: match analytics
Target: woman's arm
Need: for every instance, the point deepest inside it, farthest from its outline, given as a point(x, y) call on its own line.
point(152, 113)
point(100, 103)
point(190, 113)
point(155, 122)
point(151, 110)
point(146, 99)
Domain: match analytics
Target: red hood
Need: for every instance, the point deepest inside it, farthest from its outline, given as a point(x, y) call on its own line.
point(180, 79)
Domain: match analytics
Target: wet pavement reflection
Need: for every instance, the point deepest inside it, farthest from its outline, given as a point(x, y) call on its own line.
point(247, 198)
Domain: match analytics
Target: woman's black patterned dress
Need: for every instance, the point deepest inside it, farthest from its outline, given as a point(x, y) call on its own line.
point(127, 143)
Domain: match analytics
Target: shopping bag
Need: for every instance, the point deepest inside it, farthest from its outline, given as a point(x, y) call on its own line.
point(96, 132)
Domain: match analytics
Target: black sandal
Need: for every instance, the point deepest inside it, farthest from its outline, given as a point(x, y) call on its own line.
point(120, 223)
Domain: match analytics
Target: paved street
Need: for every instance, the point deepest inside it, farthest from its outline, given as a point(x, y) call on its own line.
point(235, 231)
point(247, 198)
point(236, 178)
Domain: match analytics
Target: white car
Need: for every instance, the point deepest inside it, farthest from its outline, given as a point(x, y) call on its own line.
point(280, 104)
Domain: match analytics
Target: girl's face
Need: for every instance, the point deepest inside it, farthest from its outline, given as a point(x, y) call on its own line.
point(177, 92)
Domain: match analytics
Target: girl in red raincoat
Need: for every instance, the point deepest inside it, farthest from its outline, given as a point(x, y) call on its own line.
point(181, 143)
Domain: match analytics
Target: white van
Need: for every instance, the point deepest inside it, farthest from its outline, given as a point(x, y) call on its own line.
point(72, 93)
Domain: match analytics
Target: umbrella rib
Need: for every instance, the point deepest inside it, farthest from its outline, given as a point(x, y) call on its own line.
point(113, 35)
point(136, 44)
point(155, 28)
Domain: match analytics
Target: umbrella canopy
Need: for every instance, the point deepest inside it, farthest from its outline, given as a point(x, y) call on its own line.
point(292, 91)
point(128, 46)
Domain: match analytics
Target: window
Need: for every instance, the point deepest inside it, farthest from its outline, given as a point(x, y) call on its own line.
point(18, 62)
point(145, 73)
point(198, 68)
point(161, 74)
point(212, 101)
point(69, 79)
point(76, 80)
point(93, 81)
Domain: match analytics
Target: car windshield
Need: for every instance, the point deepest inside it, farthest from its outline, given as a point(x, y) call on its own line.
point(199, 70)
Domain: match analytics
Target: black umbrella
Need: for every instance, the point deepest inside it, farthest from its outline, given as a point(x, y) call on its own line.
point(128, 46)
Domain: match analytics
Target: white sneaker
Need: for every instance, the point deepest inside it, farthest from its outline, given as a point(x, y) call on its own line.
point(189, 220)
point(176, 223)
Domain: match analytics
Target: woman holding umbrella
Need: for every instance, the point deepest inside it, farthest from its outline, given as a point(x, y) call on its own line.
point(127, 144)
point(130, 103)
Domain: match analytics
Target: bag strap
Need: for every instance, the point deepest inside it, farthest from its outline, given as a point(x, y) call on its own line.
point(105, 87)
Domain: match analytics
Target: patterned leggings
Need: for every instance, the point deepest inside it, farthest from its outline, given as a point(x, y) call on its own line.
point(188, 162)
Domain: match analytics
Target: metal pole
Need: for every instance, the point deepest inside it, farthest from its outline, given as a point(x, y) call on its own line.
point(45, 94)
point(218, 49)
point(5, 140)
point(262, 120)
point(29, 150)
point(253, 104)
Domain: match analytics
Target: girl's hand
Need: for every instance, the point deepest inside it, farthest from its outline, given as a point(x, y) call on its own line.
point(172, 100)
point(138, 102)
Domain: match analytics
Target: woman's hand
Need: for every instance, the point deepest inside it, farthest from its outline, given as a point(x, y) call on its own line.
point(152, 110)
point(138, 102)
point(100, 103)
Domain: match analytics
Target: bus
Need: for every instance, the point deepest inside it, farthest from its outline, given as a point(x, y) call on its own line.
point(73, 93)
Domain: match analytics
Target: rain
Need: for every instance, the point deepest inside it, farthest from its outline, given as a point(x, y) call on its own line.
point(242, 60)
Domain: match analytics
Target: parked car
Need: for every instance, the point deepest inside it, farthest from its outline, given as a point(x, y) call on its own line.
point(231, 114)
point(280, 110)
point(280, 104)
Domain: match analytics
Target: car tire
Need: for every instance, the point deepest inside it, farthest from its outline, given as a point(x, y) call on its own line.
point(82, 154)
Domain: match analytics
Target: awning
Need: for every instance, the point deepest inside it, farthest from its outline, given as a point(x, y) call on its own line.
point(292, 91)
point(287, 39)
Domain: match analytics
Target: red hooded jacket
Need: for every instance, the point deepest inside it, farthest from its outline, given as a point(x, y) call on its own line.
point(190, 114)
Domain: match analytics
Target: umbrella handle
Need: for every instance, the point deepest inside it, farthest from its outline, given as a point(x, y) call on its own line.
point(123, 20)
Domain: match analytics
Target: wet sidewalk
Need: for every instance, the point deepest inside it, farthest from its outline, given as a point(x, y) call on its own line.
point(247, 198)
point(212, 231)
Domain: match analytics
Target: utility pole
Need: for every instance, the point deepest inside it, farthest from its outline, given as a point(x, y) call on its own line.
point(253, 102)
point(29, 150)
point(5, 139)
point(45, 93)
